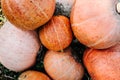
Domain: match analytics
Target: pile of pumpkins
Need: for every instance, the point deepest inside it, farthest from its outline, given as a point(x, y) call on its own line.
point(94, 23)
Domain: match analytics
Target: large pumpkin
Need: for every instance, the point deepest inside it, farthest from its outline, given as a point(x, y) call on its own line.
point(96, 23)
point(103, 64)
point(28, 14)
point(18, 48)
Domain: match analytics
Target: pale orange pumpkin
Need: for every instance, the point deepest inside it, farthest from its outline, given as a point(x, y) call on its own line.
point(62, 66)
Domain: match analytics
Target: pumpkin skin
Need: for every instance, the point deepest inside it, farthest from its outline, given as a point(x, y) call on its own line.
point(28, 14)
point(95, 24)
point(56, 34)
point(33, 75)
point(62, 66)
point(18, 48)
point(103, 64)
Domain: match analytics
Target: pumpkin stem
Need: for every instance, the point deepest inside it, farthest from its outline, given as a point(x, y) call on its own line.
point(118, 7)
point(62, 50)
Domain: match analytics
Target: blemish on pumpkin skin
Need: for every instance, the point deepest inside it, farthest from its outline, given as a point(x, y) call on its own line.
point(23, 77)
point(31, 1)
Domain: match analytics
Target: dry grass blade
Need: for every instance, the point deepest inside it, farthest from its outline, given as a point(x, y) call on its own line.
point(2, 17)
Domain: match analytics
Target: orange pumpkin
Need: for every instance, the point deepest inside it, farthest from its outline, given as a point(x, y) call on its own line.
point(103, 64)
point(28, 14)
point(95, 23)
point(56, 34)
point(33, 75)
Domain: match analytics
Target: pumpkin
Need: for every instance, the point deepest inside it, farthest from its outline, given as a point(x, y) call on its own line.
point(103, 64)
point(18, 48)
point(56, 34)
point(28, 14)
point(62, 66)
point(33, 75)
point(95, 23)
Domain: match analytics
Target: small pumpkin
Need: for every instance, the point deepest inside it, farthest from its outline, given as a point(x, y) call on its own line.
point(33, 75)
point(56, 34)
point(62, 66)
